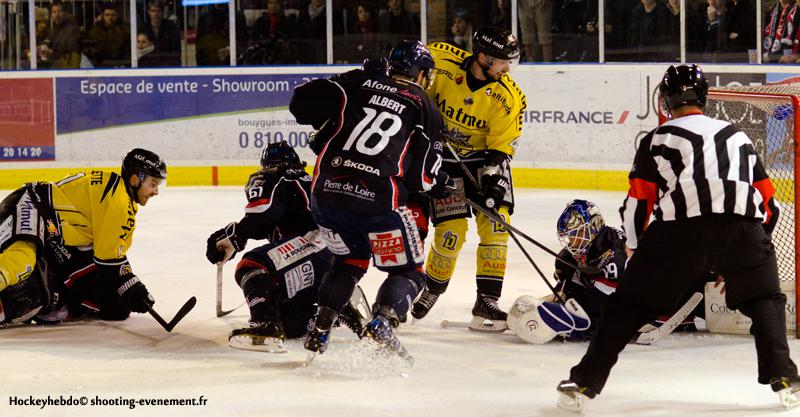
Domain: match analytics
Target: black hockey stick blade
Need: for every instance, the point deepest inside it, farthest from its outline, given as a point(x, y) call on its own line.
point(187, 307)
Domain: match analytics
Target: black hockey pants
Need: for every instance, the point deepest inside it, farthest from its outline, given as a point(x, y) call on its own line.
point(669, 258)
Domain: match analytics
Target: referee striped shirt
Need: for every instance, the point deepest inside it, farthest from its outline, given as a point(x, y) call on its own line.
point(696, 165)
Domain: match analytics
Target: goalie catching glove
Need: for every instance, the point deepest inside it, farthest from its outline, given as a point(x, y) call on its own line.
point(537, 322)
point(222, 242)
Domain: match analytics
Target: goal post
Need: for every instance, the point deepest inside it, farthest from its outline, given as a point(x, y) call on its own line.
point(770, 116)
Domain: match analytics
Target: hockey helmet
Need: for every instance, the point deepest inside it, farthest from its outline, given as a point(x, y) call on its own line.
point(280, 155)
point(683, 85)
point(141, 162)
point(578, 225)
point(408, 58)
point(496, 42)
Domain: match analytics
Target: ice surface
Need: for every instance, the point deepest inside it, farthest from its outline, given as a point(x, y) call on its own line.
point(456, 372)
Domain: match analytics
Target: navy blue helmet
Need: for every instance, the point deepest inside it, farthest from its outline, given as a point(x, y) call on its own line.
point(280, 155)
point(409, 58)
point(683, 85)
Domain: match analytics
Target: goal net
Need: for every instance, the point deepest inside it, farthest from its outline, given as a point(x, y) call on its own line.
point(769, 116)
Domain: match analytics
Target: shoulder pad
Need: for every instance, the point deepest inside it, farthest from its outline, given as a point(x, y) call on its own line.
point(442, 50)
point(515, 93)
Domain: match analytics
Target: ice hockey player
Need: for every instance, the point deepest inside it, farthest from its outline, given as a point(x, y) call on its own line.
point(587, 241)
point(379, 145)
point(63, 245)
point(482, 111)
point(714, 208)
point(280, 279)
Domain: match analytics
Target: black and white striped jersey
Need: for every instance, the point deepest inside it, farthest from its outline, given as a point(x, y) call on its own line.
point(696, 165)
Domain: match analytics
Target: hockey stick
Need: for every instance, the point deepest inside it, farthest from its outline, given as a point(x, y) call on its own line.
point(187, 307)
point(220, 311)
point(648, 338)
point(510, 231)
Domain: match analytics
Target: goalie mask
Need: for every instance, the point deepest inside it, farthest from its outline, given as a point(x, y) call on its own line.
point(577, 227)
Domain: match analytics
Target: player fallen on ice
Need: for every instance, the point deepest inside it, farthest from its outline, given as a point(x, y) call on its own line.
point(481, 108)
point(280, 280)
point(714, 208)
point(378, 142)
point(587, 241)
point(63, 245)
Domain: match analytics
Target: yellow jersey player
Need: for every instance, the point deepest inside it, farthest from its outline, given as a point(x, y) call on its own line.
point(482, 111)
point(63, 245)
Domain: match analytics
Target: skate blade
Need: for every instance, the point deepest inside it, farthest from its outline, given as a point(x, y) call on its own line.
point(571, 402)
point(790, 397)
point(267, 344)
point(484, 325)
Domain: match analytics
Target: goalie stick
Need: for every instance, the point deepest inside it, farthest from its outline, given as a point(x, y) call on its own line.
point(185, 309)
point(652, 336)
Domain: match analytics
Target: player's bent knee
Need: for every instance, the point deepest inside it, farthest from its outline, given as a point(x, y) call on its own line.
point(17, 263)
point(450, 236)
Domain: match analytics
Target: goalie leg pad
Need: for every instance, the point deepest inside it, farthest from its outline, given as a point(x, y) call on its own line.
point(538, 322)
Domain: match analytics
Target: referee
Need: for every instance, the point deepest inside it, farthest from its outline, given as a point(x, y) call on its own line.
point(714, 209)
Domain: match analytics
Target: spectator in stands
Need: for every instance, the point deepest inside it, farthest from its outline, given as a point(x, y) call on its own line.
point(780, 31)
point(461, 31)
point(575, 31)
point(674, 32)
point(312, 33)
point(164, 34)
point(619, 16)
point(366, 25)
point(741, 29)
point(111, 44)
point(649, 31)
point(62, 48)
point(396, 23)
point(713, 30)
point(144, 52)
point(212, 46)
point(501, 14)
point(274, 22)
point(535, 22)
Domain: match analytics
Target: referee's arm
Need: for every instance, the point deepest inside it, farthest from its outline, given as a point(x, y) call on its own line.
point(642, 194)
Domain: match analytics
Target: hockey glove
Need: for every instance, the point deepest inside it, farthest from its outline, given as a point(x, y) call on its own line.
point(223, 244)
point(494, 190)
point(135, 295)
point(443, 187)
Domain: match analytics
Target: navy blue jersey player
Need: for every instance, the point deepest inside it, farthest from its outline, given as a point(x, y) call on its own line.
point(378, 143)
point(280, 279)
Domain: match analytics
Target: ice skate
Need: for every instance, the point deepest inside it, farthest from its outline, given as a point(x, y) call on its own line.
point(487, 316)
point(381, 331)
point(320, 330)
point(260, 337)
point(788, 391)
point(571, 396)
point(424, 304)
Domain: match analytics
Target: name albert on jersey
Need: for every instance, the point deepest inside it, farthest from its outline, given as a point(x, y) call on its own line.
point(384, 144)
point(486, 117)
